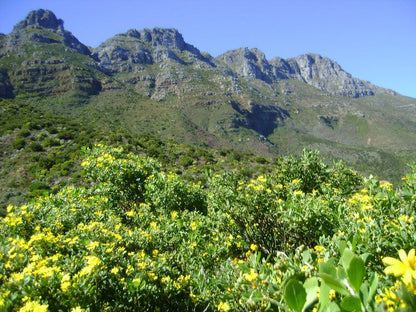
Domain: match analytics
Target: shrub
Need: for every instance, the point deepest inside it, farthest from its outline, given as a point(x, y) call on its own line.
point(19, 143)
point(36, 147)
point(24, 133)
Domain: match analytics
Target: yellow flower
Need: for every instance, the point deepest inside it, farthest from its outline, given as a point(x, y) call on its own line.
point(405, 267)
point(319, 248)
point(254, 247)
point(224, 307)
point(252, 276)
point(34, 306)
point(131, 213)
point(174, 214)
point(298, 193)
point(65, 282)
point(332, 294)
point(115, 270)
point(92, 262)
point(193, 225)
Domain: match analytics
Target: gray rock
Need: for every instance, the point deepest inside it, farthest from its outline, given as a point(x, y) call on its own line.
point(147, 46)
point(40, 19)
point(42, 26)
point(326, 75)
point(250, 63)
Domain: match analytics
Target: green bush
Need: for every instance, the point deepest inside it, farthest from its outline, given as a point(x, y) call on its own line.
point(123, 177)
point(19, 143)
point(24, 133)
point(36, 147)
point(134, 238)
point(170, 193)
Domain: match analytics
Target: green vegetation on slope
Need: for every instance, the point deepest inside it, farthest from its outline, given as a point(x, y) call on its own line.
point(40, 152)
point(133, 237)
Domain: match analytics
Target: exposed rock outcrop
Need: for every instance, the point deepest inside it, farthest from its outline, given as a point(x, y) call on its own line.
point(125, 52)
point(42, 26)
point(250, 63)
point(327, 75)
point(313, 69)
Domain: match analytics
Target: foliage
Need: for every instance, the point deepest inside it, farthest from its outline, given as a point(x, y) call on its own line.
point(132, 237)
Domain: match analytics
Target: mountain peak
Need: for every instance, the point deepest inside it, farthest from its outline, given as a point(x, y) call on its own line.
point(247, 62)
point(41, 19)
point(42, 26)
point(169, 38)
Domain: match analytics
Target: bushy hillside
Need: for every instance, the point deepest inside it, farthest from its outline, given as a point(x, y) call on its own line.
point(303, 237)
point(40, 152)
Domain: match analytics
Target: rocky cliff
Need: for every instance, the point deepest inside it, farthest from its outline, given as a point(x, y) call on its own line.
point(40, 55)
point(42, 26)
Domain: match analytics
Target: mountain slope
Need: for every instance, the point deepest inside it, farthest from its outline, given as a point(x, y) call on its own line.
point(152, 82)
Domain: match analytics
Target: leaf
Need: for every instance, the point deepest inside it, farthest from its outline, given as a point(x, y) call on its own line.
point(328, 268)
point(373, 286)
point(295, 295)
point(356, 273)
point(364, 292)
point(311, 286)
point(324, 296)
point(342, 245)
point(332, 307)
point(351, 304)
point(334, 284)
point(346, 258)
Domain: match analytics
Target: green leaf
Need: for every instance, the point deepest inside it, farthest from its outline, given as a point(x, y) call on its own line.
point(373, 286)
point(346, 258)
point(334, 284)
point(364, 292)
point(332, 307)
point(311, 286)
point(328, 268)
point(324, 297)
point(351, 304)
point(356, 273)
point(342, 245)
point(295, 295)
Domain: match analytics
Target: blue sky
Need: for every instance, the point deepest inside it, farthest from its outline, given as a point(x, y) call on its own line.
point(374, 40)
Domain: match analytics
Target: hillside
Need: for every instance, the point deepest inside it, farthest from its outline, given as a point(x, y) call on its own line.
point(152, 82)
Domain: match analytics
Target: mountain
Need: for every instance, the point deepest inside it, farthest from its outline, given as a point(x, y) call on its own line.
point(152, 81)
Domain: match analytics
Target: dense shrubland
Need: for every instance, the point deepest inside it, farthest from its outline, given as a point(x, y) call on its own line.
point(303, 237)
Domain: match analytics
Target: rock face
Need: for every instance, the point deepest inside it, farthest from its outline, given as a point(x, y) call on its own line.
point(248, 63)
point(42, 26)
point(327, 75)
point(125, 51)
point(313, 69)
point(39, 55)
point(41, 18)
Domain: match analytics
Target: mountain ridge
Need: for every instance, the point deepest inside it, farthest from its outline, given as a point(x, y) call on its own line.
point(314, 69)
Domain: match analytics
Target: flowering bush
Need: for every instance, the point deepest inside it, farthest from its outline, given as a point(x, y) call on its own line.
point(134, 238)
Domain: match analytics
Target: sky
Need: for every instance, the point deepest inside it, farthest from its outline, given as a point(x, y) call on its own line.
point(373, 40)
